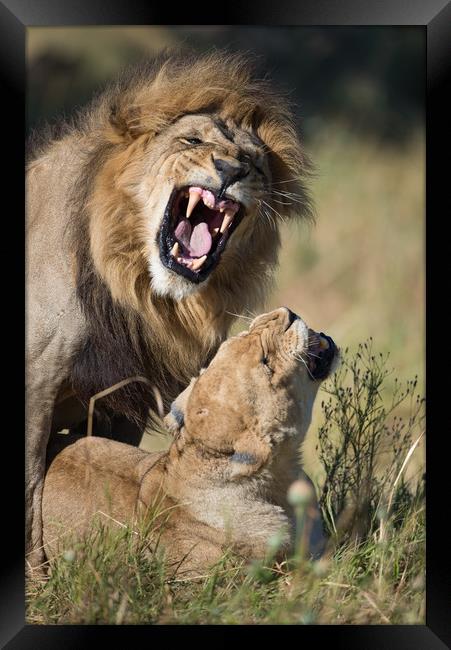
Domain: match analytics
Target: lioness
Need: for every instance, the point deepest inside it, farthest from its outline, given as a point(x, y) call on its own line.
point(152, 220)
point(237, 430)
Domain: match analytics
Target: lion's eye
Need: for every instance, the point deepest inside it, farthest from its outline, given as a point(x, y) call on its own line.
point(192, 140)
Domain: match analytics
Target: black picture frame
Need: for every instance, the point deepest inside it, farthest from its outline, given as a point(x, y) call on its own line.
point(15, 17)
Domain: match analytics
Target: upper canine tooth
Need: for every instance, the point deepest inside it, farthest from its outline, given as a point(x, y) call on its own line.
point(228, 218)
point(194, 198)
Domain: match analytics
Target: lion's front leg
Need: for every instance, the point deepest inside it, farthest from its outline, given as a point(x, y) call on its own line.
point(38, 423)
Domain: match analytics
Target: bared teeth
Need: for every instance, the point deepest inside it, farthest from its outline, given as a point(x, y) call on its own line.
point(175, 249)
point(228, 218)
point(194, 198)
point(196, 264)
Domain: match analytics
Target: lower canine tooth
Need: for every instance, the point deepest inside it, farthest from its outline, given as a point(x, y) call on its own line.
point(175, 249)
point(196, 264)
point(227, 220)
point(194, 198)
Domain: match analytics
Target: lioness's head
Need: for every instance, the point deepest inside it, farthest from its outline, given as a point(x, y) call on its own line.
point(256, 393)
point(204, 161)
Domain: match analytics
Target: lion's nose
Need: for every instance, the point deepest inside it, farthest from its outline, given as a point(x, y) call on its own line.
point(230, 171)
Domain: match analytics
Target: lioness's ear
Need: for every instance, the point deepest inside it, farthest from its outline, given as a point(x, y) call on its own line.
point(175, 419)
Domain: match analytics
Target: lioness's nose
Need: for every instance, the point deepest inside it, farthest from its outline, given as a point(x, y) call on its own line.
point(287, 317)
point(291, 316)
point(230, 170)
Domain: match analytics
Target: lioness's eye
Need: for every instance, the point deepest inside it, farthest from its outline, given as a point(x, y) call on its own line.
point(265, 362)
point(192, 140)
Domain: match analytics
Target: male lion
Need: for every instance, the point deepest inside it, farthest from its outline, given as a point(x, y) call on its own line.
point(223, 483)
point(152, 219)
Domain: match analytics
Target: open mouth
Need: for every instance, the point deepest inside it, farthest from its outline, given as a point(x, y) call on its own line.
point(320, 355)
point(195, 230)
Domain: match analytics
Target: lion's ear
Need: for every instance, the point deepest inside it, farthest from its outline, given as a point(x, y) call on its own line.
point(125, 122)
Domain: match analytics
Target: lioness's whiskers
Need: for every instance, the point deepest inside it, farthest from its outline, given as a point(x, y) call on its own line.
point(301, 358)
point(238, 315)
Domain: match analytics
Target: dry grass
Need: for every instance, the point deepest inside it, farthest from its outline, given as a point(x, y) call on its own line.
point(111, 579)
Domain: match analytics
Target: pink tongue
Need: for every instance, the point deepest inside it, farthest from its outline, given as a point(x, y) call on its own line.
point(200, 242)
point(196, 241)
point(183, 233)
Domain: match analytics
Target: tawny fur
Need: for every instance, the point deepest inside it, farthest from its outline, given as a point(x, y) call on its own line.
point(100, 306)
point(223, 483)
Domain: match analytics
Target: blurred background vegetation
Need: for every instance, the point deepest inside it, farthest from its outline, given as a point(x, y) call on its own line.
point(359, 98)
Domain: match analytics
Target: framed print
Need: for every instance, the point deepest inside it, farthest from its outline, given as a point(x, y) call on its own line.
point(192, 189)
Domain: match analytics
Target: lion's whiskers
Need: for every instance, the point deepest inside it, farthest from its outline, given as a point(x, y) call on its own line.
point(289, 195)
point(283, 219)
point(288, 180)
point(264, 213)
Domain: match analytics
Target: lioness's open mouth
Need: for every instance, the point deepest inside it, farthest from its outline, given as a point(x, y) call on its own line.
point(195, 229)
point(321, 353)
